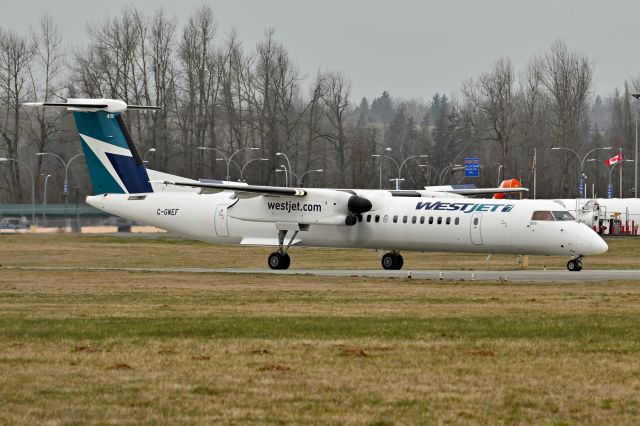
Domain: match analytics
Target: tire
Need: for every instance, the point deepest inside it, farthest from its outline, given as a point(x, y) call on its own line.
point(388, 261)
point(579, 266)
point(279, 261)
point(286, 261)
point(573, 265)
point(392, 261)
point(275, 260)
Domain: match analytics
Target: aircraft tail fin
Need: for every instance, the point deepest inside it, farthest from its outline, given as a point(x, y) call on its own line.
point(114, 164)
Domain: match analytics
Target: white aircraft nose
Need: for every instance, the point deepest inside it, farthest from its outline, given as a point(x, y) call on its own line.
point(598, 245)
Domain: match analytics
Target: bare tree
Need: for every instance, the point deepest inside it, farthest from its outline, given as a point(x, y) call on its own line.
point(46, 84)
point(568, 78)
point(336, 97)
point(493, 95)
point(16, 55)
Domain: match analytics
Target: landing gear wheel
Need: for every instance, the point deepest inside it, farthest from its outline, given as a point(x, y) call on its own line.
point(279, 260)
point(574, 265)
point(392, 261)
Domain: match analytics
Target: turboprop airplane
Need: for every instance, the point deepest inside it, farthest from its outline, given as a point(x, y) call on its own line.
point(388, 221)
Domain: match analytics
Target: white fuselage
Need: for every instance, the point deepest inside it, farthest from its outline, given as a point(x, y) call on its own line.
point(394, 223)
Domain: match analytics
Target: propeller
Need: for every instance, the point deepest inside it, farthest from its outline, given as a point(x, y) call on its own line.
point(356, 205)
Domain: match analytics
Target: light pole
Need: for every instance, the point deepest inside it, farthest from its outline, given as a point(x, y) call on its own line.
point(228, 159)
point(286, 173)
point(402, 165)
point(635, 155)
point(300, 179)
point(397, 167)
point(247, 163)
point(144, 157)
point(278, 154)
point(581, 182)
point(387, 149)
point(44, 198)
point(500, 167)
point(33, 186)
point(66, 179)
point(453, 167)
point(430, 167)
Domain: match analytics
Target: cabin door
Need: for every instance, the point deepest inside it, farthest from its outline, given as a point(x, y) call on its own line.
point(476, 222)
point(220, 221)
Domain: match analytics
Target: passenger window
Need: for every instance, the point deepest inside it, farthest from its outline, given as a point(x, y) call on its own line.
point(542, 215)
point(377, 218)
point(414, 219)
point(359, 218)
point(421, 220)
point(475, 220)
point(368, 218)
point(385, 219)
point(457, 221)
point(404, 219)
point(430, 220)
point(563, 215)
point(448, 221)
point(395, 219)
point(439, 220)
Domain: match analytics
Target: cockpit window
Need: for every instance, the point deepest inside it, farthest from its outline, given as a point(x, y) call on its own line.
point(563, 215)
point(542, 215)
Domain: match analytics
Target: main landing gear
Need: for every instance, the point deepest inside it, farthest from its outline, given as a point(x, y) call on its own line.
point(575, 264)
point(392, 260)
point(280, 259)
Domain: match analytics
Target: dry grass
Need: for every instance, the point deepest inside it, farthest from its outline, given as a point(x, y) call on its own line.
point(119, 347)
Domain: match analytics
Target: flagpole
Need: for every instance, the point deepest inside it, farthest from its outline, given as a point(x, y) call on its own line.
point(620, 156)
point(535, 170)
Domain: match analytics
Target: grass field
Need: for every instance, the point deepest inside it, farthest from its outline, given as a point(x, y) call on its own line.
point(81, 347)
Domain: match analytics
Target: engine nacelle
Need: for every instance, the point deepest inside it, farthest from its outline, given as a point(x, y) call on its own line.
point(320, 206)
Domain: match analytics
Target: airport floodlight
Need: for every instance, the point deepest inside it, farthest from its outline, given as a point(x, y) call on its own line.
point(151, 150)
point(3, 159)
point(319, 170)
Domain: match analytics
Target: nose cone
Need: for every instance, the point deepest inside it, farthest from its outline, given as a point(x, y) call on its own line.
point(598, 245)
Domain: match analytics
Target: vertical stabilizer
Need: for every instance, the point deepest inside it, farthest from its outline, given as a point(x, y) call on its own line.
point(114, 163)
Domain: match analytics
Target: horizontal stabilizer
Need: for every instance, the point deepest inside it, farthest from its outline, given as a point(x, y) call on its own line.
point(92, 105)
point(256, 189)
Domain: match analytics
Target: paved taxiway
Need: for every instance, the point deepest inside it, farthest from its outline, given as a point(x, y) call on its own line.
point(538, 276)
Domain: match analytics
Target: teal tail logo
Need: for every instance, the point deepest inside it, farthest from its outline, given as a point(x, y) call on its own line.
point(113, 161)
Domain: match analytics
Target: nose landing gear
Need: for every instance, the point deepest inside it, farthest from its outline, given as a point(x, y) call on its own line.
point(575, 265)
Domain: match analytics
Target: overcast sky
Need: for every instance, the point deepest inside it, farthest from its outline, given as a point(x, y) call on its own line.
point(413, 49)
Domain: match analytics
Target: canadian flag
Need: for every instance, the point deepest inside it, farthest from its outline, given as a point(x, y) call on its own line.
point(613, 160)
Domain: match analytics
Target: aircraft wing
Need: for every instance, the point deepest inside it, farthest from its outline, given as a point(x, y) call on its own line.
point(250, 190)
